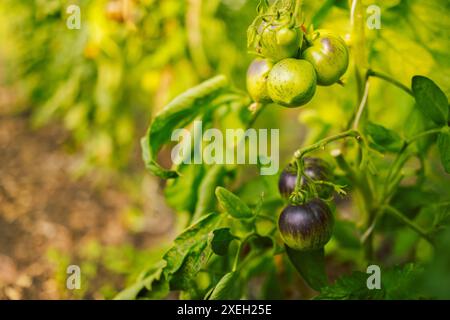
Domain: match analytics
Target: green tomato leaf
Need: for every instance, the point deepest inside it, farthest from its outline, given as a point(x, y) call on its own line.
point(310, 265)
point(349, 287)
point(189, 254)
point(232, 204)
point(383, 139)
point(153, 281)
point(430, 99)
point(227, 288)
point(396, 283)
point(198, 232)
point(177, 114)
point(441, 214)
point(195, 260)
point(444, 148)
point(221, 241)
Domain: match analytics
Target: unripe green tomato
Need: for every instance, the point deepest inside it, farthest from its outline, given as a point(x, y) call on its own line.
point(329, 56)
point(279, 43)
point(292, 82)
point(257, 74)
point(306, 227)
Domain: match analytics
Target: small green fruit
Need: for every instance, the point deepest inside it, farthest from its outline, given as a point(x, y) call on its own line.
point(292, 82)
point(257, 74)
point(277, 42)
point(329, 56)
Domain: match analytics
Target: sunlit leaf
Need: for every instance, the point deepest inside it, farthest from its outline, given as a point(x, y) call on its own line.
point(430, 99)
point(231, 203)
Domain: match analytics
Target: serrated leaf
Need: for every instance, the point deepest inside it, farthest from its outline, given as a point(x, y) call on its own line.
point(194, 261)
point(349, 287)
point(227, 288)
point(232, 204)
point(400, 282)
point(190, 237)
point(444, 148)
point(383, 139)
point(176, 115)
point(153, 281)
point(310, 265)
point(430, 99)
point(396, 283)
point(441, 213)
point(221, 241)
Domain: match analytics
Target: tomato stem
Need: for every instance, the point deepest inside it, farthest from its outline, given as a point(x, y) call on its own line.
point(385, 77)
point(400, 216)
point(239, 250)
point(297, 10)
point(362, 105)
point(400, 160)
point(299, 154)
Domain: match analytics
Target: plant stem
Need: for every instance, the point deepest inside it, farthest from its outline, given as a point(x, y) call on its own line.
point(194, 37)
point(299, 154)
point(401, 159)
point(376, 74)
point(297, 10)
point(239, 250)
point(401, 217)
point(423, 134)
point(236, 258)
point(358, 44)
point(361, 105)
point(363, 189)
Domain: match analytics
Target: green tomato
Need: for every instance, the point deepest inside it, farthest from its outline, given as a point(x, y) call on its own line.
point(257, 74)
point(292, 82)
point(277, 42)
point(329, 56)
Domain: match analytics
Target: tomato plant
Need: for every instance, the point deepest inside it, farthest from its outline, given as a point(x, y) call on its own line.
point(240, 229)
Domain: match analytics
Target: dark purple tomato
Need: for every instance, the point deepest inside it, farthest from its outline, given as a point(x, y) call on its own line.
point(315, 169)
point(306, 227)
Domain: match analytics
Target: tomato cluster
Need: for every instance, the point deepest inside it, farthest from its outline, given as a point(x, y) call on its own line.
point(309, 225)
point(292, 64)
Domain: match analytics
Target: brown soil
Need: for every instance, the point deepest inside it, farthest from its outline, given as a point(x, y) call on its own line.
point(42, 207)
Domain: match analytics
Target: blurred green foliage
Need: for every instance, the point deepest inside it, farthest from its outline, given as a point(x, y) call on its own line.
point(104, 80)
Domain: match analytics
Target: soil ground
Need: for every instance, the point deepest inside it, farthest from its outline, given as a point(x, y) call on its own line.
point(42, 208)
